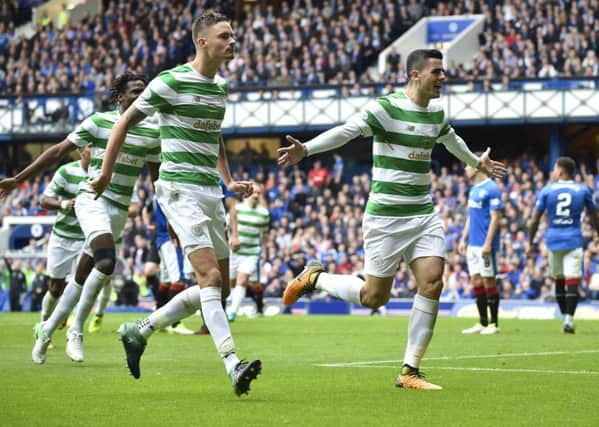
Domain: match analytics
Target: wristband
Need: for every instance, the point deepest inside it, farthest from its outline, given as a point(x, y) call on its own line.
point(65, 204)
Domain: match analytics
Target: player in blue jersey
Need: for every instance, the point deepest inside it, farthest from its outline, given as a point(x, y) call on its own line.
point(564, 200)
point(481, 238)
point(172, 278)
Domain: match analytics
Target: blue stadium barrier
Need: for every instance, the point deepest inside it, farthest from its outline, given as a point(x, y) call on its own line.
point(466, 308)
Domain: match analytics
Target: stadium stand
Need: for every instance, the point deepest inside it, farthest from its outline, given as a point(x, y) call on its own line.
point(303, 43)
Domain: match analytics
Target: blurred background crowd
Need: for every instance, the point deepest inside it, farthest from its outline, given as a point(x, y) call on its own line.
point(304, 42)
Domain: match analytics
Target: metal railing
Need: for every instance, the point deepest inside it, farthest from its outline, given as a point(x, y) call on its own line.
point(311, 108)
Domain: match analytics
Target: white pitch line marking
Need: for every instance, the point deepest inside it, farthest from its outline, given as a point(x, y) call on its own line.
point(515, 370)
point(497, 370)
point(462, 357)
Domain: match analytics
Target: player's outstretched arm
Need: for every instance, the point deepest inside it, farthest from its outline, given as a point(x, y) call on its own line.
point(456, 146)
point(326, 141)
point(490, 167)
point(46, 159)
point(293, 153)
point(130, 118)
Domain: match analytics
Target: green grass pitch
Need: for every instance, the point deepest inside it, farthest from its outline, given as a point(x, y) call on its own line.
point(529, 374)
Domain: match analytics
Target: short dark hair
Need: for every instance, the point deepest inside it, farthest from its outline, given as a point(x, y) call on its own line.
point(119, 85)
point(417, 59)
point(567, 164)
point(207, 19)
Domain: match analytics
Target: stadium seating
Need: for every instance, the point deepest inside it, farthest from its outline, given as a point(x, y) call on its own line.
point(323, 43)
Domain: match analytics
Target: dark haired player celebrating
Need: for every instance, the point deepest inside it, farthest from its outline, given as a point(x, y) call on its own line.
point(100, 219)
point(190, 101)
point(400, 221)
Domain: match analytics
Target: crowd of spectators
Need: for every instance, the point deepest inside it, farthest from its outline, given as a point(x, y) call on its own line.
point(316, 213)
point(304, 42)
point(523, 39)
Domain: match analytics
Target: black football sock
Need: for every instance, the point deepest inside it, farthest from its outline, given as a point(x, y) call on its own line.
point(162, 294)
point(560, 294)
point(175, 289)
point(481, 303)
point(493, 301)
point(571, 296)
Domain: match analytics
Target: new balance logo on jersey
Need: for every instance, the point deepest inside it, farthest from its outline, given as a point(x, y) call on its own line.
point(422, 155)
point(216, 102)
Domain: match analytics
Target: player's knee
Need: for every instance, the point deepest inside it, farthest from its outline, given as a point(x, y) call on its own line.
point(373, 298)
point(105, 260)
point(56, 288)
point(432, 288)
point(212, 277)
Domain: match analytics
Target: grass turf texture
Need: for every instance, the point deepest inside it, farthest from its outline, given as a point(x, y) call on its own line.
point(183, 381)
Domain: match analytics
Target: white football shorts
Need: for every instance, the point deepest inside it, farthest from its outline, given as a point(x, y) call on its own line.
point(388, 239)
point(566, 264)
point(247, 264)
point(97, 217)
point(63, 255)
point(197, 215)
point(478, 265)
point(169, 263)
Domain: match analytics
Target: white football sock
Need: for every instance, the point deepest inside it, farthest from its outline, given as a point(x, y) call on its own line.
point(67, 301)
point(217, 324)
point(92, 286)
point(237, 295)
point(568, 319)
point(184, 304)
point(344, 286)
point(420, 329)
point(48, 304)
point(103, 298)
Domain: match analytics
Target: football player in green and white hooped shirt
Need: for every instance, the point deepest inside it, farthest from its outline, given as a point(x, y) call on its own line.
point(189, 101)
point(252, 225)
point(399, 220)
point(67, 238)
point(100, 219)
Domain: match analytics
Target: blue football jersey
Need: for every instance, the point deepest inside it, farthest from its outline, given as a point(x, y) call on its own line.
point(564, 202)
point(483, 198)
point(162, 235)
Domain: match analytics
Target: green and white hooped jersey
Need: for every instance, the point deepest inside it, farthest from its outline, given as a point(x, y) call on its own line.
point(64, 186)
point(141, 145)
point(404, 137)
point(252, 223)
point(190, 110)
